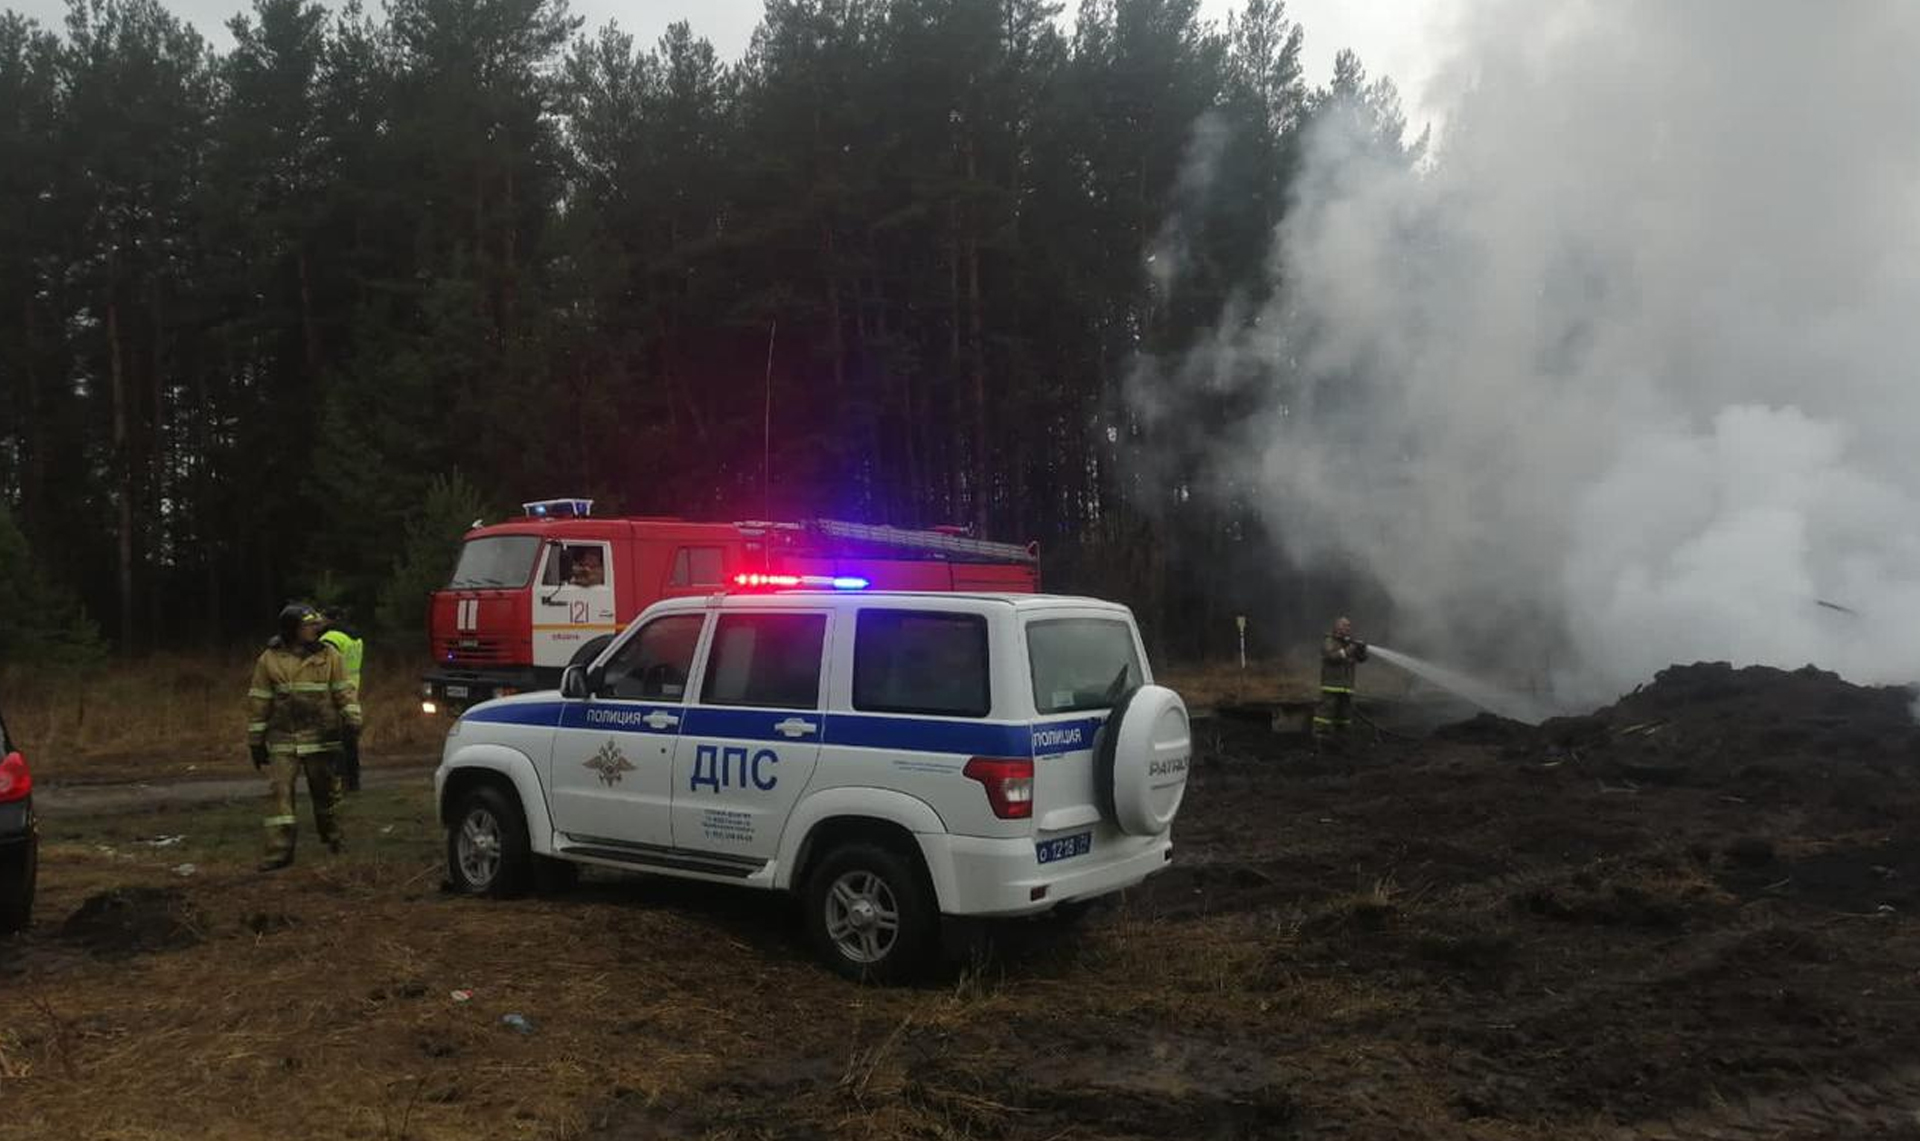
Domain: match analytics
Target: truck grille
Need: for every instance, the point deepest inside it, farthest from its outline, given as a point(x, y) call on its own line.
point(472, 651)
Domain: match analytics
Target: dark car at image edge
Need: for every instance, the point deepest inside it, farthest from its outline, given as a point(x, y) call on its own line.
point(19, 836)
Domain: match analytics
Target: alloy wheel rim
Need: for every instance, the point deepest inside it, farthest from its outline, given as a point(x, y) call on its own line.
point(479, 847)
point(863, 917)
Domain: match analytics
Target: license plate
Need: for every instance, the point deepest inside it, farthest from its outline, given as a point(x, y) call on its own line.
point(1064, 847)
point(456, 691)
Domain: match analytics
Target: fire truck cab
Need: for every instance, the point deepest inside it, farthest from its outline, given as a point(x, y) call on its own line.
point(532, 595)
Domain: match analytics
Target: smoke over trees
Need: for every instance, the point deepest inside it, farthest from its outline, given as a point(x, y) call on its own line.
point(1620, 375)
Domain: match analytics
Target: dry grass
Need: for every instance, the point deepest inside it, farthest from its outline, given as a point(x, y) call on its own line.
point(1225, 683)
point(317, 1003)
point(181, 714)
point(1291, 679)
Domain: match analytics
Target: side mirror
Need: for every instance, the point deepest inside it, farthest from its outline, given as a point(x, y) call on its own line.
point(573, 683)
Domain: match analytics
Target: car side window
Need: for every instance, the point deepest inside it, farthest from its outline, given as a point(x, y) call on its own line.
point(575, 564)
point(917, 661)
point(696, 566)
point(655, 663)
point(766, 660)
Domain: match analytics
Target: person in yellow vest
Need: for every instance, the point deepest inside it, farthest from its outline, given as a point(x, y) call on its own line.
point(353, 652)
point(1340, 653)
point(300, 708)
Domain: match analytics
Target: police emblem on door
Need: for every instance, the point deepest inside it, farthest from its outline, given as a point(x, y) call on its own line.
point(609, 763)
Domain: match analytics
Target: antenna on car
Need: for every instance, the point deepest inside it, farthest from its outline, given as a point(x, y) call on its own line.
point(766, 430)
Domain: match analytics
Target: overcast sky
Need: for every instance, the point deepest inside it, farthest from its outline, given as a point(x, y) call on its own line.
point(1392, 36)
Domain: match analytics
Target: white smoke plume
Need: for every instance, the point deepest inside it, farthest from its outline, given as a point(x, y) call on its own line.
point(1629, 372)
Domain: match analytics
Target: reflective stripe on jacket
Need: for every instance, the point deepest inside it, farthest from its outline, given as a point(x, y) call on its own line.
point(299, 699)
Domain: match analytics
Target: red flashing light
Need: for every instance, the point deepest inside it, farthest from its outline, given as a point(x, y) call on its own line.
point(753, 581)
point(1009, 784)
point(766, 580)
point(15, 781)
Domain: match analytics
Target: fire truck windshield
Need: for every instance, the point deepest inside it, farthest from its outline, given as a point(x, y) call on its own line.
point(494, 561)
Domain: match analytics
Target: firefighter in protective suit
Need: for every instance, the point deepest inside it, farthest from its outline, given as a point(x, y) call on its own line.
point(1340, 652)
point(353, 652)
point(302, 705)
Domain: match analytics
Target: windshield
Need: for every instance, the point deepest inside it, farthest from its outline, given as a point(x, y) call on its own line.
point(1081, 663)
point(498, 560)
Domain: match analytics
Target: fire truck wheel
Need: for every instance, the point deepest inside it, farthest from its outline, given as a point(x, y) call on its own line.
point(590, 651)
point(487, 844)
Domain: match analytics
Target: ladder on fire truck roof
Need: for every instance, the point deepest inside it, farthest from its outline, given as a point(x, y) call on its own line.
point(937, 542)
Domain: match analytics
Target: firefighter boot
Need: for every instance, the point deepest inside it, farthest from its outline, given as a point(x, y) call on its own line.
point(323, 786)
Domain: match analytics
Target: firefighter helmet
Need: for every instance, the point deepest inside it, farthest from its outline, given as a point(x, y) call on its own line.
point(293, 616)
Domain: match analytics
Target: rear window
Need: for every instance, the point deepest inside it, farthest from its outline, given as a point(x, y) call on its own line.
point(913, 661)
point(766, 660)
point(1081, 663)
point(498, 560)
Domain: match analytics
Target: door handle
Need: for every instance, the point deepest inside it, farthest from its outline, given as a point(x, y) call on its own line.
point(659, 720)
point(794, 727)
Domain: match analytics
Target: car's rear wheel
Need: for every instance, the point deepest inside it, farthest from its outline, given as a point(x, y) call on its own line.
point(19, 868)
point(870, 913)
point(487, 851)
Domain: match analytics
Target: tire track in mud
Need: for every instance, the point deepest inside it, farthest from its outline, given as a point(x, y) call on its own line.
point(1886, 1106)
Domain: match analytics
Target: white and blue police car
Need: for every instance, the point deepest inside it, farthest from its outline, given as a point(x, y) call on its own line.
point(888, 757)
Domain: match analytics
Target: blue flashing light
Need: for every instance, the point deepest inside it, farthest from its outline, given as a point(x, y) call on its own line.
point(558, 508)
point(850, 582)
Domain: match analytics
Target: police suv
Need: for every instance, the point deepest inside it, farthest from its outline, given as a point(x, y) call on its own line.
point(888, 757)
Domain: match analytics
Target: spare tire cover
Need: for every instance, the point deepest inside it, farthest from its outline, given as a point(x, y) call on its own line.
point(1147, 746)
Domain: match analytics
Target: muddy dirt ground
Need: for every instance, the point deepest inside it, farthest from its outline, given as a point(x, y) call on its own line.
point(1693, 915)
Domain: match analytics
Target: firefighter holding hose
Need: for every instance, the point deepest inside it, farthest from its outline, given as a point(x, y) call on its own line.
point(301, 707)
point(1340, 653)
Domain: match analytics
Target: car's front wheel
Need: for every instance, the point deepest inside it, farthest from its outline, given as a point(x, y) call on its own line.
point(870, 913)
point(487, 851)
point(18, 871)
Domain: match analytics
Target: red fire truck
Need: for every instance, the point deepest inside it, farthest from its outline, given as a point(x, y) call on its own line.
point(532, 595)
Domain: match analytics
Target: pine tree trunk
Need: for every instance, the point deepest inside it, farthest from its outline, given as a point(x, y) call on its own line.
point(33, 478)
point(155, 440)
point(309, 327)
point(123, 475)
point(977, 356)
point(836, 340)
point(955, 450)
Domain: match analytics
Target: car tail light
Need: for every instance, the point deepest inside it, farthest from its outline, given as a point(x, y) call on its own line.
point(15, 781)
point(1009, 784)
